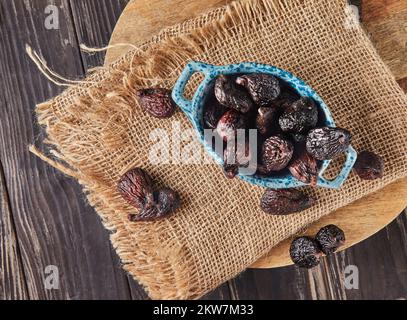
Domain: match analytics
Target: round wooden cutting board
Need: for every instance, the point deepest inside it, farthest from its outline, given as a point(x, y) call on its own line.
point(142, 19)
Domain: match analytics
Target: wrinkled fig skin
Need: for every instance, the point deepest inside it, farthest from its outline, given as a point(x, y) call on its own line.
point(276, 153)
point(213, 112)
point(166, 201)
point(263, 88)
point(157, 102)
point(285, 201)
point(285, 99)
point(304, 168)
point(235, 157)
point(135, 186)
point(266, 120)
point(231, 96)
point(330, 238)
point(304, 252)
point(229, 123)
point(298, 138)
point(299, 117)
point(327, 143)
point(369, 166)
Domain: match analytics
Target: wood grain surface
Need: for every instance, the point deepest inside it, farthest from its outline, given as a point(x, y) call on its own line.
point(44, 217)
point(359, 220)
point(13, 284)
point(53, 224)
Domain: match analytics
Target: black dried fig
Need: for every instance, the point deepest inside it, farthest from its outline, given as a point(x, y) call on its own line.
point(229, 95)
point(276, 153)
point(266, 120)
point(285, 99)
point(166, 201)
point(299, 117)
point(135, 186)
point(369, 166)
point(304, 168)
point(229, 123)
point(285, 201)
point(234, 157)
point(157, 102)
point(304, 252)
point(330, 238)
point(213, 112)
point(327, 143)
point(263, 88)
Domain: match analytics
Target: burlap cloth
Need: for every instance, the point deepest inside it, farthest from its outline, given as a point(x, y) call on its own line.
point(97, 131)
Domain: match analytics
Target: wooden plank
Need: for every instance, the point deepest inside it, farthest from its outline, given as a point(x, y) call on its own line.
point(12, 284)
point(270, 284)
point(221, 293)
point(324, 282)
point(54, 224)
point(94, 23)
point(381, 261)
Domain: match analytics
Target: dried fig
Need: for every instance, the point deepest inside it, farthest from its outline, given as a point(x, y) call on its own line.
point(234, 157)
point(327, 143)
point(229, 95)
point(135, 186)
point(299, 117)
point(285, 99)
point(229, 123)
point(330, 238)
point(213, 112)
point(369, 166)
point(304, 168)
point(266, 120)
point(285, 201)
point(304, 252)
point(276, 153)
point(263, 88)
point(157, 102)
point(166, 201)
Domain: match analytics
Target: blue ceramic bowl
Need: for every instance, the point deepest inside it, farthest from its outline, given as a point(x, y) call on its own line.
point(194, 110)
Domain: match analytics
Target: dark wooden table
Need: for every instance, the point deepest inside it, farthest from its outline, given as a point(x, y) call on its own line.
point(45, 220)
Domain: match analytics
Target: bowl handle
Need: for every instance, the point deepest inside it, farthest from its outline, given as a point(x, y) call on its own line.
point(179, 88)
point(351, 156)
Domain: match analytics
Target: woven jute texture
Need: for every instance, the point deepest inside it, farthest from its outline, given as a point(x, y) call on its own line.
point(97, 131)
